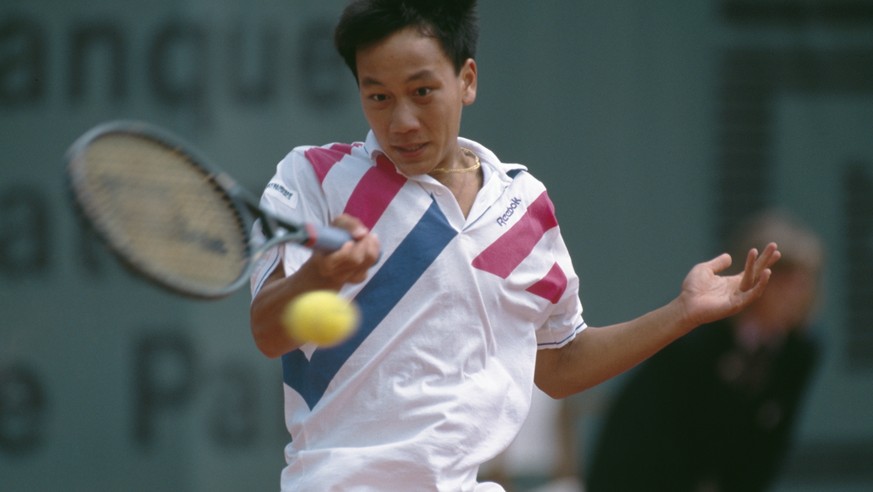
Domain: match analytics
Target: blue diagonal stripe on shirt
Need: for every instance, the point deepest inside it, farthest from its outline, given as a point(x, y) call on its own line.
point(400, 271)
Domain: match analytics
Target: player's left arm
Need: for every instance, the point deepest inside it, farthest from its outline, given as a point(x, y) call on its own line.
point(598, 354)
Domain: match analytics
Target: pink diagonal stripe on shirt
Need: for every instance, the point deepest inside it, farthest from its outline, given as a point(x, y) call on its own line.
point(510, 249)
point(552, 286)
point(324, 158)
point(379, 185)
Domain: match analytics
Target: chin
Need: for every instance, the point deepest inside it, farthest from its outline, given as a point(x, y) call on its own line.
point(412, 169)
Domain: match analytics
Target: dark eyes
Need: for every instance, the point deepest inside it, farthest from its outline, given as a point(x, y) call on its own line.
point(420, 92)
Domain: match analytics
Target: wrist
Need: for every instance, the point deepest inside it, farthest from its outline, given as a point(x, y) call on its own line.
point(684, 320)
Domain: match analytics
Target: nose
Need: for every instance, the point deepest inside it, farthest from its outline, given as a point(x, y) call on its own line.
point(404, 118)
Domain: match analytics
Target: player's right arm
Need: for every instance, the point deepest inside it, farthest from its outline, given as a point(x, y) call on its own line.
point(322, 270)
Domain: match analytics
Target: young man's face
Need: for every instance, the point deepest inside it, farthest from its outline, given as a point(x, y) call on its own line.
point(789, 299)
point(412, 99)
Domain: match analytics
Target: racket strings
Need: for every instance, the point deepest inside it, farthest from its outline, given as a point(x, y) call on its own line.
point(166, 213)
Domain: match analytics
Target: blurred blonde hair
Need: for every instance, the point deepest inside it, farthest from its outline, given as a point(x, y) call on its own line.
point(801, 247)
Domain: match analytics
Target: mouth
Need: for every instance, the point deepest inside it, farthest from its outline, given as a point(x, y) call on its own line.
point(409, 151)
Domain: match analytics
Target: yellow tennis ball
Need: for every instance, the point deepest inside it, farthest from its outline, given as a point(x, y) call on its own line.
point(321, 317)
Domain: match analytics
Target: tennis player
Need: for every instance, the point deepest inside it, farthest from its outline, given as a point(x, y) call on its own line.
point(473, 298)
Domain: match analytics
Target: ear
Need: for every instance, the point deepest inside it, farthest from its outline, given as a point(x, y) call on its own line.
point(469, 79)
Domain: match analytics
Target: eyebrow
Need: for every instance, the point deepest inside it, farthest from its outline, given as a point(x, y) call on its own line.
point(420, 75)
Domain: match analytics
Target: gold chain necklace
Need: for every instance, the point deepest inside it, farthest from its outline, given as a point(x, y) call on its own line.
point(472, 168)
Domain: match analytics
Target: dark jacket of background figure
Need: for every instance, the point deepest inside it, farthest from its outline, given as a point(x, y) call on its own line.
point(704, 415)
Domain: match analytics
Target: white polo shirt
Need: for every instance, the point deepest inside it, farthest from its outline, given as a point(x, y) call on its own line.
point(438, 378)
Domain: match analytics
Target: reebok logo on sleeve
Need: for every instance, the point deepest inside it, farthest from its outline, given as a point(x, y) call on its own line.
point(289, 195)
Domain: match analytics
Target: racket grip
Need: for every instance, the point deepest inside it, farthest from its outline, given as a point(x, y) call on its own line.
point(325, 238)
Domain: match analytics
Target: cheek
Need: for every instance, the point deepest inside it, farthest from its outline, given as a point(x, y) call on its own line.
point(377, 122)
point(804, 298)
point(790, 305)
point(371, 115)
point(450, 117)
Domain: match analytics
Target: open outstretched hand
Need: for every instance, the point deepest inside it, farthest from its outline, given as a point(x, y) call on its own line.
point(708, 296)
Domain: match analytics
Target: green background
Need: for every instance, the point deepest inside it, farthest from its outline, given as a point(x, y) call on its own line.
point(655, 126)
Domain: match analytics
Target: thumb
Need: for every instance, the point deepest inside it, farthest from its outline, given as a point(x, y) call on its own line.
point(720, 263)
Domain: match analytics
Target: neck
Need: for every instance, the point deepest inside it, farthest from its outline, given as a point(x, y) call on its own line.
point(464, 181)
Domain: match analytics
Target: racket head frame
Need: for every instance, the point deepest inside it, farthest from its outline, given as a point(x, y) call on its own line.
point(244, 206)
point(75, 174)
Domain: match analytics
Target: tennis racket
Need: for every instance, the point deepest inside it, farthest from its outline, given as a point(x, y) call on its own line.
point(171, 215)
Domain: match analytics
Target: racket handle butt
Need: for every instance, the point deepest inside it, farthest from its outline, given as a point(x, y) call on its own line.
point(327, 238)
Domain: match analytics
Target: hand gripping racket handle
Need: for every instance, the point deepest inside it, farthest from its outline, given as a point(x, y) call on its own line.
point(324, 238)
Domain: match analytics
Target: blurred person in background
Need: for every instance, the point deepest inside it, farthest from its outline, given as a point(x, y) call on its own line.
point(715, 411)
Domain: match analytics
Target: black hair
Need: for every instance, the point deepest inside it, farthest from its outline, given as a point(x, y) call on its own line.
point(453, 23)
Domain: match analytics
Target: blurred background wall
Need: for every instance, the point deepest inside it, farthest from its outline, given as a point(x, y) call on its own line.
point(656, 125)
